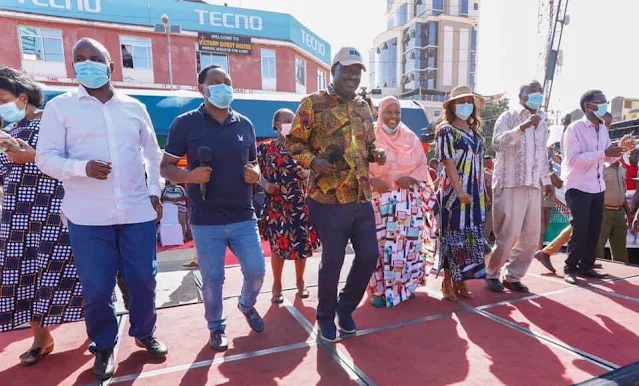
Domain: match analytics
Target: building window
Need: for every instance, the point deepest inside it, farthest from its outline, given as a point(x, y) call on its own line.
point(137, 59)
point(300, 75)
point(438, 7)
point(136, 52)
point(476, 6)
point(321, 79)
point(205, 59)
point(42, 51)
point(269, 77)
point(627, 104)
point(464, 7)
point(43, 44)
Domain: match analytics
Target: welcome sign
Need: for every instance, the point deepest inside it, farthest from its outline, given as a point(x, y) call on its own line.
point(190, 16)
point(224, 44)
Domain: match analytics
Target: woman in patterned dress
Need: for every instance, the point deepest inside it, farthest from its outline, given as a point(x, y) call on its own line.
point(39, 284)
point(463, 196)
point(284, 222)
point(403, 198)
point(463, 200)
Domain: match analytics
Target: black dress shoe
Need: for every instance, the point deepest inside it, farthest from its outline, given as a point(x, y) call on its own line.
point(516, 286)
point(153, 346)
point(218, 341)
point(494, 285)
point(592, 274)
point(571, 278)
point(104, 365)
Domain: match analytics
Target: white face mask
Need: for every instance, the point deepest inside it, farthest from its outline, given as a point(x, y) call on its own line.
point(286, 129)
point(388, 130)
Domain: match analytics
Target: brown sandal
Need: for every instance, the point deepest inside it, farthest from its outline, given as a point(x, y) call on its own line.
point(303, 294)
point(447, 287)
point(33, 356)
point(462, 291)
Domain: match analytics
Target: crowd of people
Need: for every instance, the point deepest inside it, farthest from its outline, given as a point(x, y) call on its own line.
point(83, 191)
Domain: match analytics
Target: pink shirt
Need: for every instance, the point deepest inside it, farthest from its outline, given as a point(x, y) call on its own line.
point(584, 147)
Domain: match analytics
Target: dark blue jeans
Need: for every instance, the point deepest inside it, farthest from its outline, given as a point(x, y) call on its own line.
point(99, 252)
point(335, 225)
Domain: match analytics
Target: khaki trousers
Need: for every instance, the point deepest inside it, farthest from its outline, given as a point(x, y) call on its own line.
point(517, 225)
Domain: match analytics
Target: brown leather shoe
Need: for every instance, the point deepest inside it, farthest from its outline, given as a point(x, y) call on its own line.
point(447, 287)
point(462, 291)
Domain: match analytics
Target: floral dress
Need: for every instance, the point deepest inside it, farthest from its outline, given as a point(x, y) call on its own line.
point(285, 222)
point(462, 225)
point(407, 242)
point(39, 281)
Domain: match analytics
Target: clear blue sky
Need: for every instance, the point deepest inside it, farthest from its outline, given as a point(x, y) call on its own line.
point(599, 51)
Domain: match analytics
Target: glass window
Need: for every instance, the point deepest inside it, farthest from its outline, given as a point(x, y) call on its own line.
point(464, 7)
point(401, 15)
point(438, 7)
point(43, 44)
point(321, 79)
point(205, 59)
point(389, 5)
point(476, 6)
point(300, 71)
point(268, 64)
point(136, 52)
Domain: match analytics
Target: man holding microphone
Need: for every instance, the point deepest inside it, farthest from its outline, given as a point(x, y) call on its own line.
point(222, 156)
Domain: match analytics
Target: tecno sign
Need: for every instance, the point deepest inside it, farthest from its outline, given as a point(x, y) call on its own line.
point(92, 6)
point(230, 20)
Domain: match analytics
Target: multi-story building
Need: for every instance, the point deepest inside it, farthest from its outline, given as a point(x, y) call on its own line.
point(623, 109)
point(263, 51)
point(428, 48)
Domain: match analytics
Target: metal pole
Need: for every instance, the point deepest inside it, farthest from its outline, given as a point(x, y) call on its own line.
point(168, 36)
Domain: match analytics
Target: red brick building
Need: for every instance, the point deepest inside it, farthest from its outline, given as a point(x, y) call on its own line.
point(38, 37)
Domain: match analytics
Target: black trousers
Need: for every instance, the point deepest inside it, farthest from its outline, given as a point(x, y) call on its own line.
point(587, 215)
point(335, 225)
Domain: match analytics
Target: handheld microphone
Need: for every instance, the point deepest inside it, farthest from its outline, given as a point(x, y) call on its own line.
point(335, 155)
point(204, 159)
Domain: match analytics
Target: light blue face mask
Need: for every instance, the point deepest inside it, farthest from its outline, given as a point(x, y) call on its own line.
point(464, 110)
point(10, 112)
point(388, 130)
point(535, 100)
point(602, 109)
point(221, 95)
point(91, 74)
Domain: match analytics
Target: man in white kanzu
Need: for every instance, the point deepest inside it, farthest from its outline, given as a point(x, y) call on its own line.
point(521, 163)
point(99, 142)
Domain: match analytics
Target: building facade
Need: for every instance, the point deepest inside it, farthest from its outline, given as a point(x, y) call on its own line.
point(262, 51)
point(623, 109)
point(428, 48)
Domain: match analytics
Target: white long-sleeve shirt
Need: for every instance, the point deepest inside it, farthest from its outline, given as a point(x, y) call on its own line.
point(521, 156)
point(77, 128)
point(584, 155)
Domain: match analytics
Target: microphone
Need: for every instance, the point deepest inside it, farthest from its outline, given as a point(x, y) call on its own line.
point(204, 158)
point(335, 154)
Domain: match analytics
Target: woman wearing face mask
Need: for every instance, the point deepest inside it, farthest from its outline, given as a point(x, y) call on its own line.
point(462, 193)
point(285, 222)
point(35, 251)
point(402, 200)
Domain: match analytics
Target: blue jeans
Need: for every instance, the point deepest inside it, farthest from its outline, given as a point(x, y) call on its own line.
point(243, 239)
point(99, 253)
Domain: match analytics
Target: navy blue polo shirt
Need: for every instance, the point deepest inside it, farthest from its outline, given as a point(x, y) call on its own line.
point(229, 198)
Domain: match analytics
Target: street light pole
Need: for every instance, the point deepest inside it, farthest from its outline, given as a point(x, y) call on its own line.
point(167, 27)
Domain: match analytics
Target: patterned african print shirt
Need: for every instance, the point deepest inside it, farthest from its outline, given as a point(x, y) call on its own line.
point(340, 131)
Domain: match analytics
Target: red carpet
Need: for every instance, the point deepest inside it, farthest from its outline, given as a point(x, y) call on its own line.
point(229, 259)
point(453, 343)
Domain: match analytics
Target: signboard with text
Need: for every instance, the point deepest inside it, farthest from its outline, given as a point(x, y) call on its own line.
point(190, 16)
point(224, 44)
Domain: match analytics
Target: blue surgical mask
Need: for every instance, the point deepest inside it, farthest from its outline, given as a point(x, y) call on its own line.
point(464, 110)
point(602, 109)
point(535, 100)
point(10, 112)
point(221, 95)
point(91, 74)
point(388, 130)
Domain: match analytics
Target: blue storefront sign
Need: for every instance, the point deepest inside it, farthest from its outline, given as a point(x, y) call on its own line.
point(190, 15)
